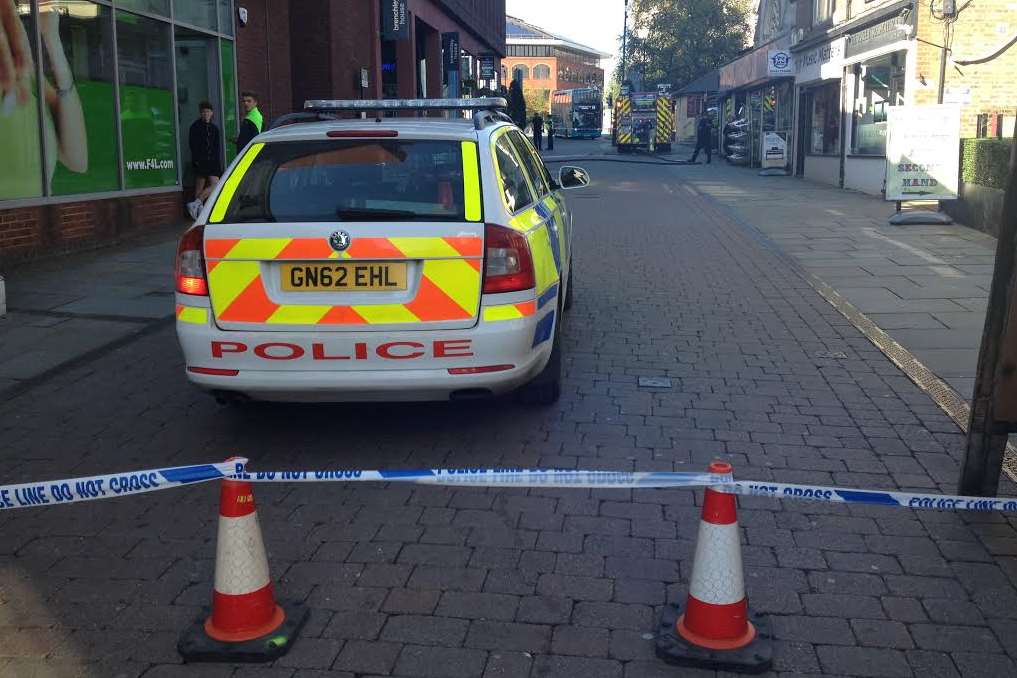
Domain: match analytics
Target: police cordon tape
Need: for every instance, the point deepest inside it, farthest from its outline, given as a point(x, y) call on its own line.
point(88, 488)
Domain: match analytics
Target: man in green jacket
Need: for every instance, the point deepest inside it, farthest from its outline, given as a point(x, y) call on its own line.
point(250, 126)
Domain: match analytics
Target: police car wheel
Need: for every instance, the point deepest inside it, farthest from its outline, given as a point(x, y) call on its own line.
point(546, 386)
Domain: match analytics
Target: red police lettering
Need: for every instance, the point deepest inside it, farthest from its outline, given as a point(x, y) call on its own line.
point(220, 347)
point(360, 350)
point(261, 350)
point(385, 350)
point(443, 349)
point(318, 353)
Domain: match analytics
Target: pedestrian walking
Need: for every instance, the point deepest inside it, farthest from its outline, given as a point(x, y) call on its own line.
point(538, 131)
point(250, 127)
point(205, 142)
point(550, 133)
point(704, 138)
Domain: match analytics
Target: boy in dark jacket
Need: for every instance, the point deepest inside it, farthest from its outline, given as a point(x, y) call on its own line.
point(205, 142)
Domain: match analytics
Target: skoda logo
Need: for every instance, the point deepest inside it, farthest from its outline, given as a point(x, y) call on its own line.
point(339, 240)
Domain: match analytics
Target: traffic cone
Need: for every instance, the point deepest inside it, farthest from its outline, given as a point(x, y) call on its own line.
point(714, 629)
point(245, 624)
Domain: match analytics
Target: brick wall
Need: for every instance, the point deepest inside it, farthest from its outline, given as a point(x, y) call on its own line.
point(263, 55)
point(979, 31)
point(29, 232)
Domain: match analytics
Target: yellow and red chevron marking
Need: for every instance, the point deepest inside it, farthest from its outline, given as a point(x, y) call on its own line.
point(509, 311)
point(262, 249)
point(449, 290)
point(192, 314)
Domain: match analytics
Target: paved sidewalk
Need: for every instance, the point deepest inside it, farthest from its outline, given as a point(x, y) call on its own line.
point(925, 286)
point(69, 307)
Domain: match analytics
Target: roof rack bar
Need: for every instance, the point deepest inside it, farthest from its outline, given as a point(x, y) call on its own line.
point(489, 103)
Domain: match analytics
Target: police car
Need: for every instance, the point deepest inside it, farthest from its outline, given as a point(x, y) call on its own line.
point(381, 258)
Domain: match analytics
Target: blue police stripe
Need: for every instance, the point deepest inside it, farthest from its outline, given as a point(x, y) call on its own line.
point(543, 331)
point(409, 473)
point(191, 474)
point(542, 210)
point(867, 497)
point(547, 296)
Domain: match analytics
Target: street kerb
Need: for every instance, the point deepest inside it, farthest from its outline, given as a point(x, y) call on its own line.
point(246, 624)
point(714, 629)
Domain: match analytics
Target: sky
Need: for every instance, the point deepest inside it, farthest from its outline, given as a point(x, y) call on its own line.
point(596, 23)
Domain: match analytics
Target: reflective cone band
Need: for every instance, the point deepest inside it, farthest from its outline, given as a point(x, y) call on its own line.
point(716, 616)
point(243, 604)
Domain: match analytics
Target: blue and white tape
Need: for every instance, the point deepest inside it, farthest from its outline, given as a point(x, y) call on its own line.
point(110, 485)
point(107, 486)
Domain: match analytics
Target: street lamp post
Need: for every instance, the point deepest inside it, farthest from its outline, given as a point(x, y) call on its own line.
point(625, 31)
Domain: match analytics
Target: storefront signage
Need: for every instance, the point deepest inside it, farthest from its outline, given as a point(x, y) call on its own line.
point(450, 51)
point(774, 150)
point(922, 152)
point(394, 23)
point(820, 63)
point(753, 68)
point(486, 68)
point(779, 63)
point(878, 35)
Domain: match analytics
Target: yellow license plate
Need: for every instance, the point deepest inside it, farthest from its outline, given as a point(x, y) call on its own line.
point(346, 276)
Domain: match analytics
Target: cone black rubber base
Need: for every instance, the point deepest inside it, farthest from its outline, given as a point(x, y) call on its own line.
point(756, 657)
point(196, 646)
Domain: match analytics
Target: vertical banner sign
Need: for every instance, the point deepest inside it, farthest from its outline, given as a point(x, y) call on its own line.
point(450, 58)
point(394, 23)
point(774, 150)
point(487, 68)
point(922, 152)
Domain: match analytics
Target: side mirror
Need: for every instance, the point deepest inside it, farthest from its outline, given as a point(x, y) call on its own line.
point(570, 176)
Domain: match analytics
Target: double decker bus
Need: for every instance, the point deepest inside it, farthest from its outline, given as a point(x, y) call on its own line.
point(576, 113)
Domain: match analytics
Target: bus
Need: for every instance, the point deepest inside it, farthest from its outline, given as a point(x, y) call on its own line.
point(576, 113)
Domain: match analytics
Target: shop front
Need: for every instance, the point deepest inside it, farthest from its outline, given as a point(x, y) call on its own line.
point(879, 62)
point(818, 73)
point(757, 105)
point(102, 107)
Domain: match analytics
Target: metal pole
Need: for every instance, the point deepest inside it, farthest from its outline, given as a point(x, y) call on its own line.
point(625, 32)
point(983, 457)
point(942, 60)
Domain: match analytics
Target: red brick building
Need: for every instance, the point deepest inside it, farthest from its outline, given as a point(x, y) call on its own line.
point(132, 170)
point(545, 61)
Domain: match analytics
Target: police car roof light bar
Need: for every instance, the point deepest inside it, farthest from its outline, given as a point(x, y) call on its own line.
point(488, 103)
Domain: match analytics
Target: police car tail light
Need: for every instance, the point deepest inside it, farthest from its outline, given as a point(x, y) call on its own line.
point(191, 263)
point(508, 265)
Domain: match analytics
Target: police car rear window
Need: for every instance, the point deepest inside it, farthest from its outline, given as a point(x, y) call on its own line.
point(352, 180)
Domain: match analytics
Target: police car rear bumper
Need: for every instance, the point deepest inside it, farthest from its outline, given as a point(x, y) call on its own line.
point(366, 366)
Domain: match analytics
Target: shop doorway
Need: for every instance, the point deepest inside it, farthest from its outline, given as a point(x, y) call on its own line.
point(197, 81)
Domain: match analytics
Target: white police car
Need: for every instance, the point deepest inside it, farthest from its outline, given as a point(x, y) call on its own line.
point(390, 258)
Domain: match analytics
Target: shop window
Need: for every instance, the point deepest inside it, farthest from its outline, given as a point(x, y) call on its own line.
point(78, 64)
point(541, 72)
point(822, 11)
point(229, 101)
point(879, 85)
point(19, 112)
point(520, 72)
point(196, 12)
point(825, 120)
point(226, 17)
point(161, 7)
point(146, 101)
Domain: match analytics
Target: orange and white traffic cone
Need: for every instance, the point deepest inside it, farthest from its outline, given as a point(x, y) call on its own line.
point(245, 624)
point(714, 630)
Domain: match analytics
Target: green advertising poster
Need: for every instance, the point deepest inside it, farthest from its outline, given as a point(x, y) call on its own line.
point(229, 102)
point(101, 174)
point(20, 148)
point(150, 142)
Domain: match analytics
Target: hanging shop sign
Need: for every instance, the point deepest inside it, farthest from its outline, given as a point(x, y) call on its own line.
point(922, 152)
point(394, 20)
point(779, 63)
point(450, 51)
point(487, 68)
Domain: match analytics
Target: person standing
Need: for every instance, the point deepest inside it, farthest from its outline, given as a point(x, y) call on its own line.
point(206, 157)
point(250, 126)
point(538, 131)
point(550, 133)
point(704, 138)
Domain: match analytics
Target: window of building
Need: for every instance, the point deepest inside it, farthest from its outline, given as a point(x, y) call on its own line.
point(520, 72)
point(541, 72)
point(196, 12)
point(161, 7)
point(879, 84)
point(517, 193)
point(19, 124)
point(822, 11)
point(146, 101)
point(825, 120)
point(78, 65)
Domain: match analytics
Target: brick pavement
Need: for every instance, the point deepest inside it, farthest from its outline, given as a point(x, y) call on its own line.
point(421, 581)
